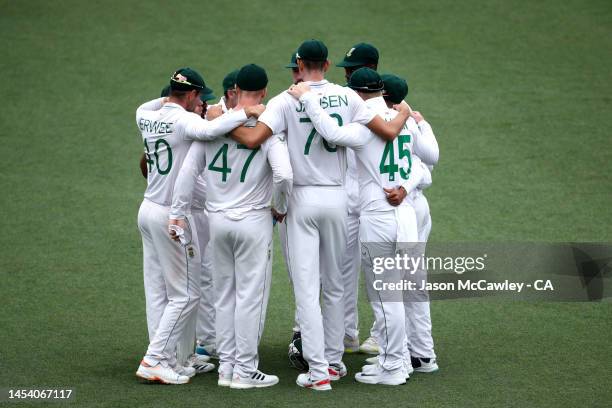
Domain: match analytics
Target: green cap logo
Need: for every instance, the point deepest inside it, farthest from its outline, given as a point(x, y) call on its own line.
point(348, 54)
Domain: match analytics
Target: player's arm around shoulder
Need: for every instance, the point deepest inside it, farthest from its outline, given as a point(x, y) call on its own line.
point(270, 121)
point(352, 135)
point(389, 130)
point(425, 144)
point(282, 174)
point(194, 127)
point(153, 105)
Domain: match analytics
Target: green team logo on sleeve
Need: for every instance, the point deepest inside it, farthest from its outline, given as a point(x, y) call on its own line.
point(387, 162)
point(224, 169)
point(158, 149)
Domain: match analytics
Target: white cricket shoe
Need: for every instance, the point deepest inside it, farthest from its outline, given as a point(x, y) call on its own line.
point(372, 360)
point(408, 369)
point(255, 380)
point(373, 368)
point(188, 371)
point(424, 365)
point(337, 371)
point(304, 380)
point(225, 379)
point(351, 344)
point(200, 363)
point(369, 346)
point(160, 373)
point(382, 376)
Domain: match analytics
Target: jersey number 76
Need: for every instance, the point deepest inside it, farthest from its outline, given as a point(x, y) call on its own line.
point(313, 133)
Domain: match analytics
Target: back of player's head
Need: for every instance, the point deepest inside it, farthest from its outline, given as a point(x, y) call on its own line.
point(365, 80)
point(396, 88)
point(293, 64)
point(360, 55)
point(313, 53)
point(165, 91)
point(252, 77)
point(229, 82)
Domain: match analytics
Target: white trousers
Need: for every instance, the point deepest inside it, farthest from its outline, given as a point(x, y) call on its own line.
point(316, 238)
point(205, 326)
point(282, 236)
point(418, 317)
point(377, 235)
point(350, 267)
point(242, 258)
point(171, 276)
point(419, 341)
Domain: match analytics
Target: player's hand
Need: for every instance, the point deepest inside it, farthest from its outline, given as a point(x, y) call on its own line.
point(297, 90)
point(403, 107)
point(179, 223)
point(254, 111)
point(416, 115)
point(213, 112)
point(395, 196)
point(278, 216)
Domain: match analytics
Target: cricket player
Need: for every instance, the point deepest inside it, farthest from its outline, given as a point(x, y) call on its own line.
point(205, 326)
point(230, 98)
point(418, 318)
point(381, 165)
point(358, 56)
point(241, 183)
point(201, 221)
point(171, 271)
point(316, 221)
point(296, 78)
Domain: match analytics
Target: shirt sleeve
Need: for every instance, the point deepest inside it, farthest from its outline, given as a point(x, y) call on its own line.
point(155, 104)
point(194, 127)
point(426, 145)
point(419, 175)
point(282, 174)
point(274, 116)
point(352, 135)
point(185, 183)
point(360, 110)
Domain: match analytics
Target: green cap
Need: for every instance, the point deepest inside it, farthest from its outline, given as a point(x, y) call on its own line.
point(204, 96)
point(365, 80)
point(396, 88)
point(230, 80)
point(187, 79)
point(312, 50)
point(207, 96)
point(165, 92)
point(293, 63)
point(359, 55)
point(252, 78)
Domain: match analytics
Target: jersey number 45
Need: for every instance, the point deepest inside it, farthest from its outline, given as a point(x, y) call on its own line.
point(387, 161)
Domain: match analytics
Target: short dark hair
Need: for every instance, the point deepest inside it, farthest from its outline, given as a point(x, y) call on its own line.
point(314, 65)
point(179, 94)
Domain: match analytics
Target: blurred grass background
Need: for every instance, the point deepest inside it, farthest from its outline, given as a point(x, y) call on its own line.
point(518, 94)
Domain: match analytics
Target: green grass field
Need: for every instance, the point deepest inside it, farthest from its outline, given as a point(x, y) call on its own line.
point(519, 94)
